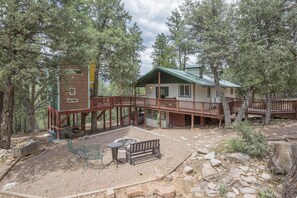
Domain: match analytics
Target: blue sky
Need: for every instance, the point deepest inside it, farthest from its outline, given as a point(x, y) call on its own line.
point(150, 15)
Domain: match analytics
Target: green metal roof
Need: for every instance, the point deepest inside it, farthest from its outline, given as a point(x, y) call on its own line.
point(178, 76)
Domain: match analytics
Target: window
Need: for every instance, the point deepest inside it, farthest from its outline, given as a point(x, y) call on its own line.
point(231, 91)
point(72, 100)
point(74, 71)
point(164, 92)
point(184, 90)
point(72, 91)
point(208, 92)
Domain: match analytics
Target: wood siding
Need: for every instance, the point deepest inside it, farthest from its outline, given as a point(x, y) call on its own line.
point(80, 83)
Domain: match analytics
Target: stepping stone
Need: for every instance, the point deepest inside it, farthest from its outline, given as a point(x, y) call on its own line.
point(210, 155)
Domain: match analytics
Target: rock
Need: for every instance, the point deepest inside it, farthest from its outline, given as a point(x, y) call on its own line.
point(238, 157)
point(183, 138)
point(188, 170)
point(212, 193)
point(215, 177)
point(202, 150)
point(247, 190)
point(215, 162)
point(193, 158)
point(175, 174)
point(249, 196)
point(165, 191)
point(110, 193)
point(189, 178)
point(212, 186)
point(196, 137)
point(197, 192)
point(283, 158)
point(139, 190)
point(249, 179)
point(9, 186)
point(230, 195)
point(244, 168)
point(266, 176)
point(261, 167)
point(232, 177)
point(207, 170)
point(210, 155)
point(235, 190)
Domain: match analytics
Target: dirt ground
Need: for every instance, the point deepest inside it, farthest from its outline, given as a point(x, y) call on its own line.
point(55, 172)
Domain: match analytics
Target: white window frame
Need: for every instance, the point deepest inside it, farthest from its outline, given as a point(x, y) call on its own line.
point(72, 100)
point(72, 91)
point(184, 87)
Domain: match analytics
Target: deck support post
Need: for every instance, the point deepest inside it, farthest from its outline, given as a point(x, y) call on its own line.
point(104, 120)
point(160, 120)
point(129, 115)
point(135, 116)
point(144, 117)
point(295, 110)
point(68, 121)
point(59, 126)
point(121, 116)
point(110, 120)
point(117, 109)
point(82, 121)
point(202, 121)
point(48, 117)
point(192, 122)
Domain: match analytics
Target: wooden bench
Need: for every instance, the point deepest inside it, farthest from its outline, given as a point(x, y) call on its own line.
point(144, 149)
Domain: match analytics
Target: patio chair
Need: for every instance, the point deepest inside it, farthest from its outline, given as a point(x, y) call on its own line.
point(77, 152)
point(92, 152)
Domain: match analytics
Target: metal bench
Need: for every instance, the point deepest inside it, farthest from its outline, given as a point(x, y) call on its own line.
point(143, 150)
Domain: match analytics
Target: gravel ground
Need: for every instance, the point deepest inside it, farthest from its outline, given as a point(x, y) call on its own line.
point(56, 172)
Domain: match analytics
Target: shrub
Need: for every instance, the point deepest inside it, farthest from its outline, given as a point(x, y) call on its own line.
point(250, 141)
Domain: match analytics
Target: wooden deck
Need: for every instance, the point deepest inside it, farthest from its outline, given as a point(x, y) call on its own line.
point(56, 119)
point(206, 109)
point(279, 108)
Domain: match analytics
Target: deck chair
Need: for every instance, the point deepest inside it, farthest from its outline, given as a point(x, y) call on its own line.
point(92, 152)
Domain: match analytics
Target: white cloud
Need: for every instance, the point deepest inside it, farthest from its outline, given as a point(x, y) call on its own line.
point(151, 17)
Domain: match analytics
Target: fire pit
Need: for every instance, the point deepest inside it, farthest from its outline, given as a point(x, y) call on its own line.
point(126, 142)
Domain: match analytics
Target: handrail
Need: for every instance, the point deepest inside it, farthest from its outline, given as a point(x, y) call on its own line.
point(170, 104)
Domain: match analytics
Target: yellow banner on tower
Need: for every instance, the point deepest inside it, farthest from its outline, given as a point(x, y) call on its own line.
point(92, 74)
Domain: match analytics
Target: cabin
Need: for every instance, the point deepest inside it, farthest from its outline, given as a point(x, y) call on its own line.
point(185, 98)
point(173, 98)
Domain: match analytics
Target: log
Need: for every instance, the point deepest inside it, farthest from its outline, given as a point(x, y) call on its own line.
point(5, 173)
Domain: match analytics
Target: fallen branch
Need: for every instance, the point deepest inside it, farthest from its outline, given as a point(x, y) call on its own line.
point(5, 173)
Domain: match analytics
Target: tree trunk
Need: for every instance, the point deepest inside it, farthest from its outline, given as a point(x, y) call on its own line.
point(7, 115)
point(219, 93)
point(245, 105)
point(268, 109)
point(1, 103)
point(290, 185)
point(95, 94)
point(31, 120)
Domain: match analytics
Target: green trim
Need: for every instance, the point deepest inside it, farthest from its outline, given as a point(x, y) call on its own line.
point(58, 93)
point(89, 93)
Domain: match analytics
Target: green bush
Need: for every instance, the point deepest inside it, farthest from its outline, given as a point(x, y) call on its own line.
point(250, 141)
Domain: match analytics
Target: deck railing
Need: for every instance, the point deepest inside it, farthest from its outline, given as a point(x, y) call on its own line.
point(172, 105)
point(277, 106)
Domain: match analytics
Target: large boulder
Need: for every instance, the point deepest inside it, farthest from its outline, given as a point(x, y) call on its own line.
point(283, 157)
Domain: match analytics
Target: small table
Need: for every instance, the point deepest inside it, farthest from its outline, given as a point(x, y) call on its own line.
point(114, 151)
